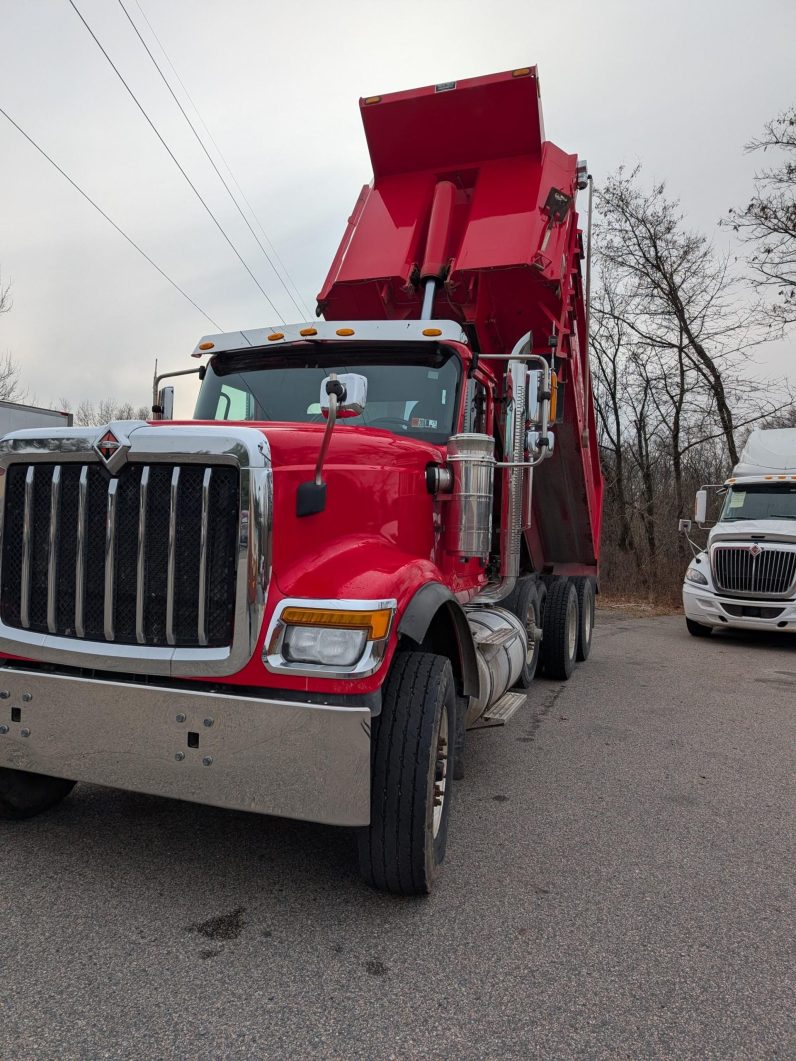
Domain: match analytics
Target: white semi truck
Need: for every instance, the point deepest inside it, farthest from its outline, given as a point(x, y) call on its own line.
point(746, 578)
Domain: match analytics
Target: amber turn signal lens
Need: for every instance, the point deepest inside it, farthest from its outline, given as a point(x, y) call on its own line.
point(377, 623)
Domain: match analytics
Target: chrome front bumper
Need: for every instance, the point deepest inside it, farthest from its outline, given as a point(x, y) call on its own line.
point(269, 756)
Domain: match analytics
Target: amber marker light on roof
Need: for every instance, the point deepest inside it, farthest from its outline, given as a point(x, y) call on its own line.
point(308, 331)
point(377, 623)
point(372, 99)
point(432, 331)
point(275, 335)
point(522, 72)
point(345, 331)
point(206, 346)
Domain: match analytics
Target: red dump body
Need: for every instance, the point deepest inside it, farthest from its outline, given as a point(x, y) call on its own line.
point(466, 189)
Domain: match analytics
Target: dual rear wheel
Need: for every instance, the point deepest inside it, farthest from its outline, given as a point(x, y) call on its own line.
point(559, 618)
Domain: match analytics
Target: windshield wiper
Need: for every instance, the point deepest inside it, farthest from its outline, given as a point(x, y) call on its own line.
point(781, 515)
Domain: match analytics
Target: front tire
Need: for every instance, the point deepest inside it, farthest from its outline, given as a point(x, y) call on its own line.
point(560, 643)
point(413, 747)
point(24, 795)
point(697, 629)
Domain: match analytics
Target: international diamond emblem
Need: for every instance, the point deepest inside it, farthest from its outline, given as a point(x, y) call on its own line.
point(755, 551)
point(108, 445)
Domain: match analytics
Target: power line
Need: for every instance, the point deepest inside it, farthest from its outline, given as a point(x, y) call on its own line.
point(176, 161)
point(209, 157)
point(305, 309)
point(110, 220)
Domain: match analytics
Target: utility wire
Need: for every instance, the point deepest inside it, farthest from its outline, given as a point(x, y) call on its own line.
point(210, 158)
point(304, 308)
point(176, 161)
point(110, 220)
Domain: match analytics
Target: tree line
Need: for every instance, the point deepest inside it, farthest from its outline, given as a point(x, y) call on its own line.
point(675, 326)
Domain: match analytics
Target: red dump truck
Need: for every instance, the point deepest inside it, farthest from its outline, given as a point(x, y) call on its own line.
point(375, 530)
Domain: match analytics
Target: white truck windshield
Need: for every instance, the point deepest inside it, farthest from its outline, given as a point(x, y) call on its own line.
point(413, 393)
point(760, 501)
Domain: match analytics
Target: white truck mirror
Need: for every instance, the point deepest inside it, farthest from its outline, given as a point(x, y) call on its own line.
point(355, 388)
point(166, 403)
point(701, 506)
point(684, 526)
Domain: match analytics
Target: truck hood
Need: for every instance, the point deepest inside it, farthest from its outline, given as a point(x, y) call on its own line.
point(376, 500)
point(773, 530)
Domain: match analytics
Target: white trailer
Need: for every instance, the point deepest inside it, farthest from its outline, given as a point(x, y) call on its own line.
point(15, 417)
point(746, 578)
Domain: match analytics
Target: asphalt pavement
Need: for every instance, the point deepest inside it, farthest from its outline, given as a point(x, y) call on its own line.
point(618, 885)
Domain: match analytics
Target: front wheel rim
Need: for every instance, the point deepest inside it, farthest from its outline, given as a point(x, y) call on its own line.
point(440, 772)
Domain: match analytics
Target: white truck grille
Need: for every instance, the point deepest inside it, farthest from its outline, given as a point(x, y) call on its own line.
point(754, 570)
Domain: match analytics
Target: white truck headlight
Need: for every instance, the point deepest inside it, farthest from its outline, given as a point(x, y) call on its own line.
point(693, 574)
point(319, 644)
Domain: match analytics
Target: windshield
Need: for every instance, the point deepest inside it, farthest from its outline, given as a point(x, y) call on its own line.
point(409, 393)
point(760, 501)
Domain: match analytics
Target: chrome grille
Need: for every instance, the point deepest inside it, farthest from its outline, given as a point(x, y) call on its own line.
point(754, 571)
point(146, 557)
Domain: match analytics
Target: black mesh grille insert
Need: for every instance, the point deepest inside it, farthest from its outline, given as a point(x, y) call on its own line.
point(222, 553)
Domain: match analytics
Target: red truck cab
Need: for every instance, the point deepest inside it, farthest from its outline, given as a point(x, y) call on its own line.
point(376, 528)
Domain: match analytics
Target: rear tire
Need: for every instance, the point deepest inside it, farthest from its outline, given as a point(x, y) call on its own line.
point(24, 795)
point(697, 629)
point(561, 622)
point(413, 748)
point(584, 587)
point(525, 602)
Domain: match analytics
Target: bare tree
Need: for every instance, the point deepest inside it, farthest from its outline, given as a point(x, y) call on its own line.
point(677, 295)
point(767, 224)
point(5, 296)
point(11, 389)
point(95, 414)
point(672, 380)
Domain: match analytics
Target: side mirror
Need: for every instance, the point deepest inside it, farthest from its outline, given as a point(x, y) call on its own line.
point(533, 412)
point(355, 395)
point(166, 404)
point(701, 506)
point(684, 526)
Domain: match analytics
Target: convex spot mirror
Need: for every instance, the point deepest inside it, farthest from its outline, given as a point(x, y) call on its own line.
point(701, 506)
point(355, 396)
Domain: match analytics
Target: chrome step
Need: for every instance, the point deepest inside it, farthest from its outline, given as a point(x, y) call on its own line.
point(490, 641)
point(499, 714)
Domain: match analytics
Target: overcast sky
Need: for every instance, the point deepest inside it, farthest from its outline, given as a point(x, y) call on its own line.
point(679, 86)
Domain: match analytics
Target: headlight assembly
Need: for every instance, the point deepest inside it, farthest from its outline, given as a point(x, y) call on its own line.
point(332, 637)
point(693, 574)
